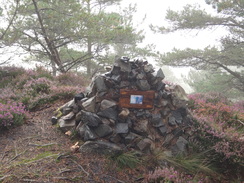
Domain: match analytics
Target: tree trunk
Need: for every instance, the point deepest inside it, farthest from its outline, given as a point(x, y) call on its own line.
point(88, 62)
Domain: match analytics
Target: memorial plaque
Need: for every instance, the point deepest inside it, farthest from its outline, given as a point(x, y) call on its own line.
point(136, 99)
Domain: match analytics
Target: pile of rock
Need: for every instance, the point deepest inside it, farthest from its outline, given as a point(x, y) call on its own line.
point(104, 125)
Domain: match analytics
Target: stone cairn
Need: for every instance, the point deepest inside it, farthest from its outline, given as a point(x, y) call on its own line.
point(106, 127)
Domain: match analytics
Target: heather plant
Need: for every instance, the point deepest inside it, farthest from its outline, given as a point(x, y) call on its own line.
point(171, 175)
point(72, 79)
point(8, 74)
point(12, 113)
point(37, 86)
point(219, 127)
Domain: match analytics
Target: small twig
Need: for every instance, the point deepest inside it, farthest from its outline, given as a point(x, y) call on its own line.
point(16, 156)
point(62, 178)
point(116, 179)
point(15, 149)
point(29, 180)
point(4, 177)
point(240, 122)
point(42, 145)
point(80, 167)
point(67, 170)
point(4, 153)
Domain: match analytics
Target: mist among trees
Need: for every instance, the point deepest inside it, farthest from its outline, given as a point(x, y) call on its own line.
point(88, 34)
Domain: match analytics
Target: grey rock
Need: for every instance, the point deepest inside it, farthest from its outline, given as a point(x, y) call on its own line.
point(91, 119)
point(103, 130)
point(69, 105)
point(115, 138)
point(85, 132)
point(168, 139)
point(163, 130)
point(157, 120)
point(160, 86)
point(90, 104)
point(89, 135)
point(54, 120)
point(107, 104)
point(172, 121)
point(100, 84)
point(100, 147)
point(124, 66)
point(177, 116)
point(180, 147)
point(115, 70)
point(145, 145)
point(79, 97)
point(141, 127)
point(78, 117)
point(121, 128)
point(177, 132)
point(116, 78)
point(148, 68)
point(143, 85)
point(159, 74)
point(109, 113)
point(131, 137)
point(141, 76)
point(124, 84)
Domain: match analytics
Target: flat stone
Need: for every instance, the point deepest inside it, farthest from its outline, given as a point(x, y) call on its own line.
point(143, 85)
point(100, 147)
point(109, 113)
point(90, 104)
point(69, 104)
point(67, 110)
point(103, 130)
point(66, 125)
point(107, 104)
point(69, 116)
point(121, 128)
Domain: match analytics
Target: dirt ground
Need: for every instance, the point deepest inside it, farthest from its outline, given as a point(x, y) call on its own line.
point(39, 152)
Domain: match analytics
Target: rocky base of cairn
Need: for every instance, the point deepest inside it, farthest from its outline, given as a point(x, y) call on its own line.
point(106, 126)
